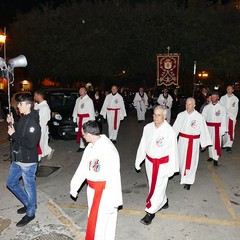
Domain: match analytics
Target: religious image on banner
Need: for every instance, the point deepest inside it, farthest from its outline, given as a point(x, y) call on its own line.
point(167, 69)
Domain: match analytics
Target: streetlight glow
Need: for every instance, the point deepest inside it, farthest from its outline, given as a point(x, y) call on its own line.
point(2, 38)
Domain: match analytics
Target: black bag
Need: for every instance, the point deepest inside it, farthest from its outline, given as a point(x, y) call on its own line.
point(16, 156)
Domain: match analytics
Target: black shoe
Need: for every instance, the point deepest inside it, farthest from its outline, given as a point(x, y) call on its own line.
point(215, 163)
point(229, 149)
point(210, 159)
point(80, 150)
point(187, 186)
point(114, 141)
point(165, 206)
point(147, 219)
point(25, 220)
point(22, 210)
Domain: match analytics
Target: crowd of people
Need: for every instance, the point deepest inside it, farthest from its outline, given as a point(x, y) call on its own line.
point(207, 122)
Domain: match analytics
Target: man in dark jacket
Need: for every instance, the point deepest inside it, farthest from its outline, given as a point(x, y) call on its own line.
point(25, 137)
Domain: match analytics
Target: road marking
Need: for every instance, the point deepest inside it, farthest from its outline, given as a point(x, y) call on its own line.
point(71, 226)
point(185, 218)
point(222, 192)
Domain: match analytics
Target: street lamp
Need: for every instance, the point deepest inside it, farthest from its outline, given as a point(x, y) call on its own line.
point(8, 71)
point(203, 74)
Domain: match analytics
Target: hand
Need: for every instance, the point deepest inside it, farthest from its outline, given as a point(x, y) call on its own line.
point(11, 130)
point(10, 118)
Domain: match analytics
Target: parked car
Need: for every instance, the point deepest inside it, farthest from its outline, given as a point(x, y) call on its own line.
point(61, 102)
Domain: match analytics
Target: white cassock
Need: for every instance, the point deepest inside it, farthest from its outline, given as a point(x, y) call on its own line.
point(231, 105)
point(44, 116)
point(83, 111)
point(100, 166)
point(192, 131)
point(158, 146)
point(114, 110)
point(167, 104)
point(141, 103)
point(216, 118)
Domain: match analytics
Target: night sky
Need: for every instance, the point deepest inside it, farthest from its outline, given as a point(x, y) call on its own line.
point(10, 8)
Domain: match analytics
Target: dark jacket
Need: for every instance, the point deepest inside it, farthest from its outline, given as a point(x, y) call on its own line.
point(28, 139)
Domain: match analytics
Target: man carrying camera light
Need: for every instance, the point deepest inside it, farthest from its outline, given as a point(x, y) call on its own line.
point(25, 137)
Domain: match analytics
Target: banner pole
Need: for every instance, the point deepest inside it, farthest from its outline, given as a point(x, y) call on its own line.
point(194, 76)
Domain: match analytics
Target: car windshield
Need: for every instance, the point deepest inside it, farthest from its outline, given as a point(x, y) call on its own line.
point(63, 99)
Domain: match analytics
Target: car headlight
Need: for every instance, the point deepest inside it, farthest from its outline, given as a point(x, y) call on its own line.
point(57, 116)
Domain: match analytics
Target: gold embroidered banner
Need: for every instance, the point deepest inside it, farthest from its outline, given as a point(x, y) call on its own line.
point(167, 69)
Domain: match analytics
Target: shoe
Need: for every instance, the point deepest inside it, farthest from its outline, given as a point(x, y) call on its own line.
point(147, 219)
point(229, 149)
point(165, 206)
point(114, 141)
point(50, 154)
point(80, 150)
point(210, 159)
point(187, 186)
point(215, 163)
point(22, 210)
point(25, 220)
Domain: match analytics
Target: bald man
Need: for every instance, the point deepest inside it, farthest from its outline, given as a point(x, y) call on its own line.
point(192, 130)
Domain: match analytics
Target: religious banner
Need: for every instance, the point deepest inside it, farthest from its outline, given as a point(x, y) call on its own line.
point(167, 69)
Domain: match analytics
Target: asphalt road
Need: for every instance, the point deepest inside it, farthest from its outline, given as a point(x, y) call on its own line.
point(210, 210)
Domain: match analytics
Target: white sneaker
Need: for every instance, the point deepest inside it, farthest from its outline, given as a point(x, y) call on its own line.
point(50, 154)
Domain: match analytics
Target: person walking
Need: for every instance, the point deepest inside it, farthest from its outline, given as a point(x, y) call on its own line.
point(141, 103)
point(25, 137)
point(83, 111)
point(158, 146)
point(230, 102)
point(165, 100)
point(216, 118)
point(191, 128)
point(114, 110)
point(100, 166)
point(44, 112)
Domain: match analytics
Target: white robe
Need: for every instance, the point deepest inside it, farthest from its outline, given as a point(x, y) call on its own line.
point(215, 114)
point(141, 104)
point(190, 124)
point(44, 116)
point(83, 106)
point(166, 103)
point(101, 162)
point(158, 143)
point(231, 105)
point(113, 102)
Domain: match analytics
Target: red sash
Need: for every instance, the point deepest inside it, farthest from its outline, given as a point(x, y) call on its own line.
point(156, 164)
point(230, 129)
point(217, 145)
point(79, 134)
point(115, 116)
point(189, 149)
point(92, 219)
point(39, 149)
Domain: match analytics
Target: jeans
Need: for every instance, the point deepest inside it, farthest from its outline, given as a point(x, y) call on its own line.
point(26, 194)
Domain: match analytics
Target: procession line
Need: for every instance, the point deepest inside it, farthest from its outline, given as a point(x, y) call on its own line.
point(58, 213)
point(222, 192)
point(224, 222)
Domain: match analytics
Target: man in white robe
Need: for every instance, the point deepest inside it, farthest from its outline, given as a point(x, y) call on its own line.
point(192, 130)
point(44, 112)
point(165, 100)
point(114, 110)
point(100, 166)
point(216, 118)
point(83, 111)
point(141, 103)
point(230, 102)
point(158, 146)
